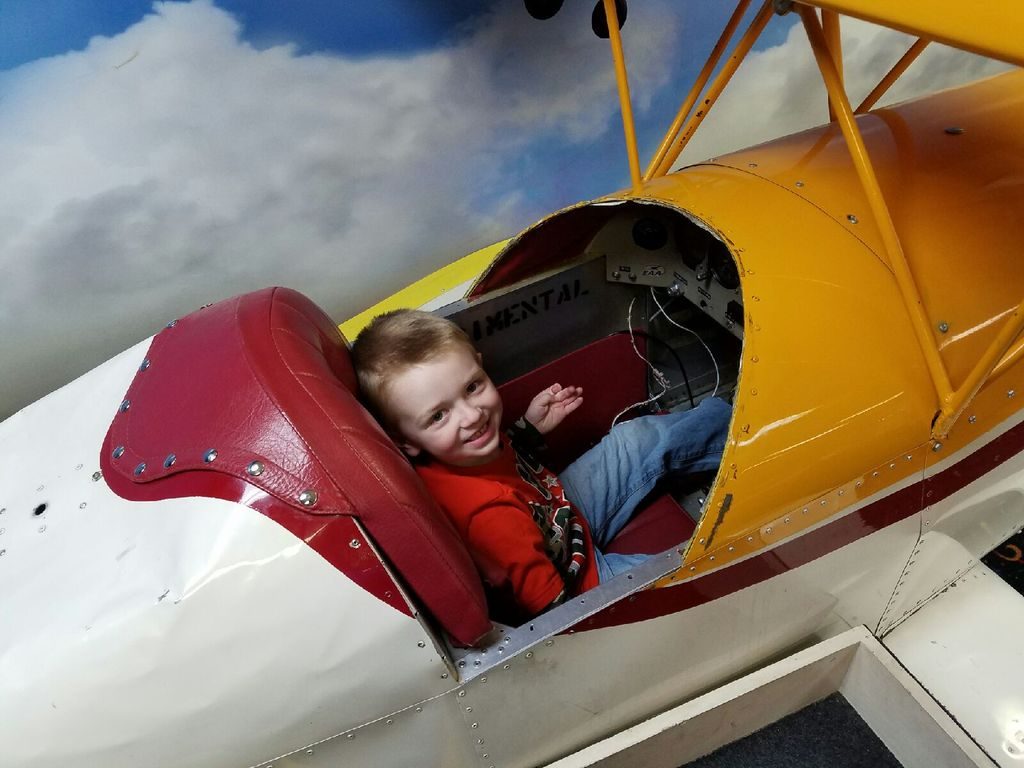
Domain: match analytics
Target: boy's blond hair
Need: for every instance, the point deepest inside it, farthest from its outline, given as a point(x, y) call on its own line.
point(396, 341)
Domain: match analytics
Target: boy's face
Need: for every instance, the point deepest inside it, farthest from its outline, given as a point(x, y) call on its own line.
point(448, 408)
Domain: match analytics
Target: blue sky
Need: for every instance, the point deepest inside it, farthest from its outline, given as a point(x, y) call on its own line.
point(160, 156)
point(31, 29)
point(35, 29)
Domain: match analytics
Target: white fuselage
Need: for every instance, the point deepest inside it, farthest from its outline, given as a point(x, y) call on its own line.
point(197, 632)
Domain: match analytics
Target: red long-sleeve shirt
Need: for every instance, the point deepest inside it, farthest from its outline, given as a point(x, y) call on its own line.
point(531, 546)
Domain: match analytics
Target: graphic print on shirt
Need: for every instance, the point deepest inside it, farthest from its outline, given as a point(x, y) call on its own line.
point(563, 535)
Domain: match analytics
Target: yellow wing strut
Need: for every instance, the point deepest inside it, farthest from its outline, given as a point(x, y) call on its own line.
point(951, 402)
point(833, 36)
point(655, 168)
point(679, 142)
point(615, 38)
point(880, 211)
point(892, 76)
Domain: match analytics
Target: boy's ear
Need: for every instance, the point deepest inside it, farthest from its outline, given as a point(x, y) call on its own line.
point(408, 449)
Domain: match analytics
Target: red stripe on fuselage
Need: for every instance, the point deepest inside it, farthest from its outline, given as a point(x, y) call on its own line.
point(974, 466)
point(652, 603)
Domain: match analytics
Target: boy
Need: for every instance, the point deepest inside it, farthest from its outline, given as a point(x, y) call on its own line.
point(531, 533)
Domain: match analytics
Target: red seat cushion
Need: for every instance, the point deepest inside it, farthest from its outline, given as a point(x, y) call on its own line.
point(612, 377)
point(659, 525)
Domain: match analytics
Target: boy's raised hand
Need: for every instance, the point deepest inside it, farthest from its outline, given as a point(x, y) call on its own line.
point(553, 404)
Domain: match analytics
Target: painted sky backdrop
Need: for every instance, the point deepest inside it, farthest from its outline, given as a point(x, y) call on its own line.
point(160, 156)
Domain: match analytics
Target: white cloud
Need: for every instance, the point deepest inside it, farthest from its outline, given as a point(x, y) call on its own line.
point(174, 164)
point(778, 91)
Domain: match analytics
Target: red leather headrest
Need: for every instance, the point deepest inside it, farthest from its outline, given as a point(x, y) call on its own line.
point(265, 377)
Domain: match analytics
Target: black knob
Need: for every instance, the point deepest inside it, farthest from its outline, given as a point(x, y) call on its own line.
point(542, 9)
point(599, 22)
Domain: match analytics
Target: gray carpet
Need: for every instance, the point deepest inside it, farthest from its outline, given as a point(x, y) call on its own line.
point(828, 734)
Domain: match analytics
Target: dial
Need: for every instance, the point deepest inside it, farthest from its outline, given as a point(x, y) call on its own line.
point(723, 267)
point(650, 234)
point(692, 242)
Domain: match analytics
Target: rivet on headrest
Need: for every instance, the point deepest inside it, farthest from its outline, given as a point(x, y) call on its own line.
point(140, 469)
point(255, 468)
point(145, 365)
point(308, 497)
point(210, 455)
point(125, 405)
point(169, 461)
point(118, 452)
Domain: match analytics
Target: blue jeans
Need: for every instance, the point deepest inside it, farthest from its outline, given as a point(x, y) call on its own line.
point(608, 482)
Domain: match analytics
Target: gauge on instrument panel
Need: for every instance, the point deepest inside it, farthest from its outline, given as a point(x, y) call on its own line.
point(692, 243)
point(723, 267)
point(650, 234)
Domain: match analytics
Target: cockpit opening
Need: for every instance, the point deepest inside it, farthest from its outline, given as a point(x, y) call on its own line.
point(645, 311)
point(651, 274)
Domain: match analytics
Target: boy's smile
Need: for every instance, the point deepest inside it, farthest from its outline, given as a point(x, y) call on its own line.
point(447, 407)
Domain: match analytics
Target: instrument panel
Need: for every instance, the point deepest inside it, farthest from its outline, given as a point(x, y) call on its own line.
point(668, 251)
